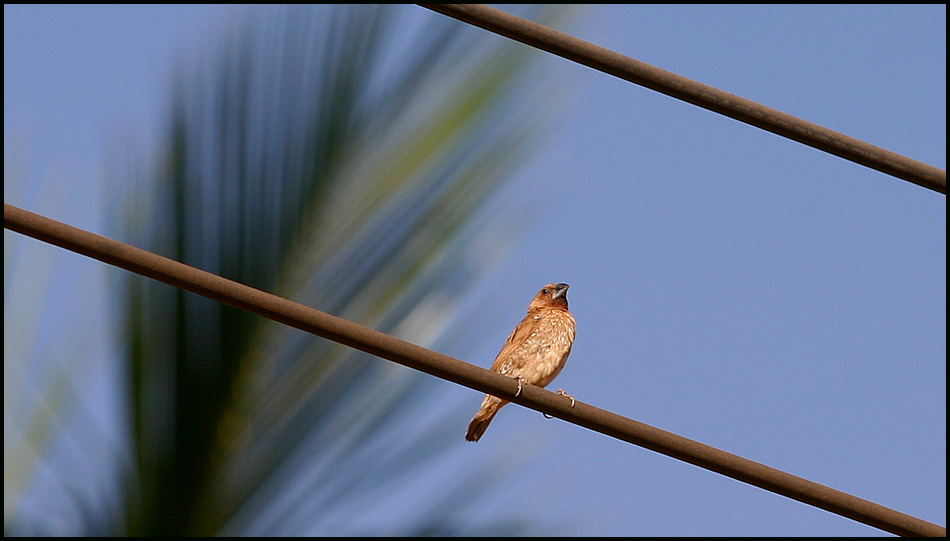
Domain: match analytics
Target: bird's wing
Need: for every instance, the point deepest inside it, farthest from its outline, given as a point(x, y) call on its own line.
point(511, 353)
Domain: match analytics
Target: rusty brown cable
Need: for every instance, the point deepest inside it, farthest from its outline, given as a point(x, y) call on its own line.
point(690, 91)
point(431, 362)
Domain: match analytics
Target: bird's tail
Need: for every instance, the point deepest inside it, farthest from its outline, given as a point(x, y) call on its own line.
point(486, 413)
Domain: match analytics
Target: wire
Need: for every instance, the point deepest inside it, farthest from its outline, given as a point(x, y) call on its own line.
point(704, 96)
point(431, 362)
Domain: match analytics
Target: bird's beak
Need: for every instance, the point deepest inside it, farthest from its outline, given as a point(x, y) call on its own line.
point(560, 290)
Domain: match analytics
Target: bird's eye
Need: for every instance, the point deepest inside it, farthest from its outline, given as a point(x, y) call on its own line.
point(545, 291)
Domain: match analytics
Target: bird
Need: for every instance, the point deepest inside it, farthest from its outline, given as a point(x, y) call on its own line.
point(535, 352)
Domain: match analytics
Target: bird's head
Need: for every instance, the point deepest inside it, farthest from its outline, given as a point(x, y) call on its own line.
point(551, 295)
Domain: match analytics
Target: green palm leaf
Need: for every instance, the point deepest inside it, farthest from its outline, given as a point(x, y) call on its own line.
point(323, 157)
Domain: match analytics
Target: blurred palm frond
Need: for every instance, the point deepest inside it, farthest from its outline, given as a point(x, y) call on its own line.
point(329, 156)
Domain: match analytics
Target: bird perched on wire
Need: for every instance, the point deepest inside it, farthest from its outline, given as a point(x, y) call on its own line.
point(534, 353)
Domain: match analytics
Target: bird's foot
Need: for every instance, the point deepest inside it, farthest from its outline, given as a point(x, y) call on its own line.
point(563, 393)
point(520, 386)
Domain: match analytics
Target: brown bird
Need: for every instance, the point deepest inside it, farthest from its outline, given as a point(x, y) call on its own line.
point(534, 353)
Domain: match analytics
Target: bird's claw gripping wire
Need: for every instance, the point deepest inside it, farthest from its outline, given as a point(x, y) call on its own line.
point(562, 393)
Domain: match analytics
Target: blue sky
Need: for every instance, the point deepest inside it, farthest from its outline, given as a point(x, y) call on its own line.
point(730, 286)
